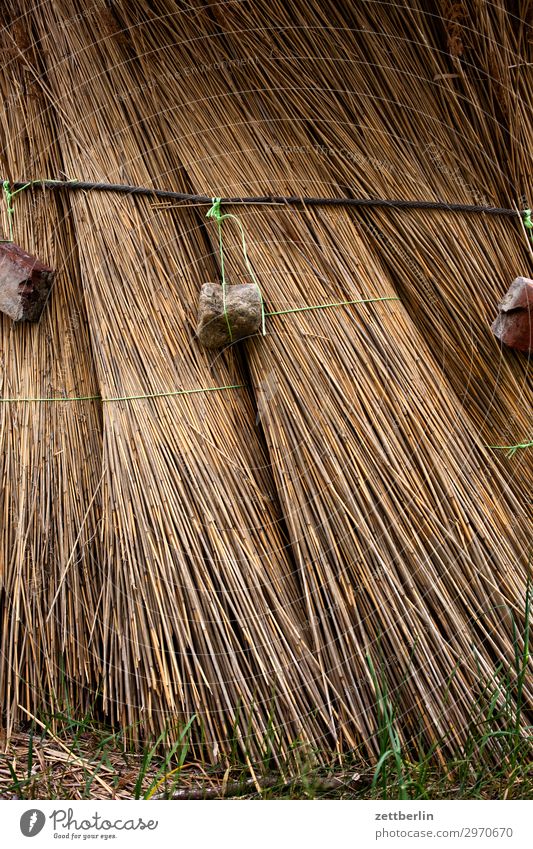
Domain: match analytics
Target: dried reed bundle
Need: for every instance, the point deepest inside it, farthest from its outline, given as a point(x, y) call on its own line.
point(493, 76)
point(376, 464)
point(415, 140)
point(50, 453)
point(202, 613)
point(398, 518)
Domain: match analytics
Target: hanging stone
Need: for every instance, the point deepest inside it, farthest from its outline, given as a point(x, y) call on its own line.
point(25, 283)
point(243, 314)
point(514, 324)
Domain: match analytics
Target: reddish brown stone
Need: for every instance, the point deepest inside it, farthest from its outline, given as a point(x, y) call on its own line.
point(514, 324)
point(25, 283)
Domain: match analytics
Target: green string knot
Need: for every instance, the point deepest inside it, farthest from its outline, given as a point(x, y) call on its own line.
point(528, 223)
point(9, 195)
point(511, 450)
point(219, 216)
point(215, 211)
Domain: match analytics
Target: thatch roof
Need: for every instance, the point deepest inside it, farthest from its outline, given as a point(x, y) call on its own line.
point(275, 557)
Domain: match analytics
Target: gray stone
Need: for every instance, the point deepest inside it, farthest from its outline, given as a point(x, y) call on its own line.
point(243, 309)
point(25, 283)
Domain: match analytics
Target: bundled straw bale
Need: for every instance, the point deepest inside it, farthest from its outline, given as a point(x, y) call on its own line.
point(419, 139)
point(398, 517)
point(202, 612)
point(372, 538)
point(50, 452)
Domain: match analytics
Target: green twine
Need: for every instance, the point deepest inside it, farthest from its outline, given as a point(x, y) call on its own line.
point(528, 223)
point(9, 195)
point(334, 304)
point(215, 212)
point(124, 398)
point(59, 399)
point(512, 449)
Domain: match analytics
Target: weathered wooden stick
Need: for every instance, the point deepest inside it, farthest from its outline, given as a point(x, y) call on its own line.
point(236, 788)
point(25, 283)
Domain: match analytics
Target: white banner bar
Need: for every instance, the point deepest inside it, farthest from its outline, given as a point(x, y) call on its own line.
point(230, 824)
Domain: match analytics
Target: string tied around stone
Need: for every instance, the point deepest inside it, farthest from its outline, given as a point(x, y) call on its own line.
point(216, 213)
